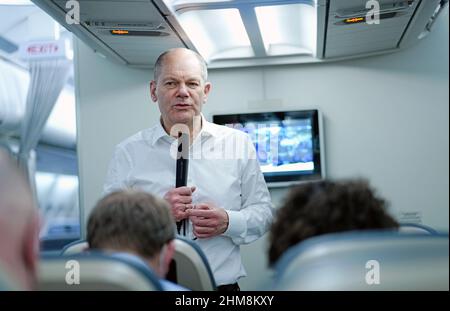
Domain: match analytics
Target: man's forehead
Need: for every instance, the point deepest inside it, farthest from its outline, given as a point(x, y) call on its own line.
point(179, 69)
point(174, 74)
point(181, 60)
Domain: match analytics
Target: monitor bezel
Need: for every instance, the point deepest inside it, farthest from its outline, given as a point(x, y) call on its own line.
point(288, 178)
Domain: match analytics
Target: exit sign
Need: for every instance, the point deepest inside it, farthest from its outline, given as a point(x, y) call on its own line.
point(44, 50)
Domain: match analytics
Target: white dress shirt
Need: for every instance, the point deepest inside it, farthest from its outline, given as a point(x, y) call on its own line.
point(225, 171)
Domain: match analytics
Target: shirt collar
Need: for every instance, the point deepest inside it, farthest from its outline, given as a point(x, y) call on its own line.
point(208, 129)
point(159, 133)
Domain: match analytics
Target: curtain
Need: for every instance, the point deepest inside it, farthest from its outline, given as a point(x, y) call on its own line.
point(14, 83)
point(47, 79)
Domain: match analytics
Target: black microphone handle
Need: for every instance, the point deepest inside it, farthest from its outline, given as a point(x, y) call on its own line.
point(181, 181)
point(181, 172)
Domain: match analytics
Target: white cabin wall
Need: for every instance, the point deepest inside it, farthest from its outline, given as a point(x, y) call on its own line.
point(386, 119)
point(113, 102)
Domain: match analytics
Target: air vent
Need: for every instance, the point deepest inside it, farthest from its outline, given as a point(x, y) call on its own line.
point(127, 29)
point(125, 26)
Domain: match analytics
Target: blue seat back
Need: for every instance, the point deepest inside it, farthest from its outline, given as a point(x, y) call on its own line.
point(94, 271)
point(416, 228)
point(366, 260)
point(192, 267)
point(75, 247)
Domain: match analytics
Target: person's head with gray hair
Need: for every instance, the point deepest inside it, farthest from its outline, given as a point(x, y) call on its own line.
point(133, 222)
point(181, 89)
point(19, 227)
point(161, 58)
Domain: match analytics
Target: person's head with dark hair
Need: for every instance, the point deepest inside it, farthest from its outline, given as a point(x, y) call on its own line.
point(317, 208)
point(133, 222)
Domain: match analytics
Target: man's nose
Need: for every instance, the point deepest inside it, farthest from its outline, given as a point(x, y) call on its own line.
point(182, 90)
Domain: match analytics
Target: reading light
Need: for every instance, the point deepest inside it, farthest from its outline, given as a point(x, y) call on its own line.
point(138, 33)
point(269, 25)
point(203, 26)
point(288, 29)
point(354, 20)
point(119, 32)
point(197, 33)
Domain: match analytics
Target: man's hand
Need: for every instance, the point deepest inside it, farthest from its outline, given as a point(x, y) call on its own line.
point(180, 200)
point(208, 220)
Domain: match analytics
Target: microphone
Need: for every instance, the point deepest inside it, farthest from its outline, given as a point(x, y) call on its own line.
point(182, 170)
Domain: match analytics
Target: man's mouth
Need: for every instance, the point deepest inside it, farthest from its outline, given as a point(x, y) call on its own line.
point(181, 106)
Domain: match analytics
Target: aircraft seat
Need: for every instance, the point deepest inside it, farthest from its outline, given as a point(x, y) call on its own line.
point(6, 283)
point(366, 260)
point(416, 228)
point(192, 267)
point(75, 247)
point(96, 271)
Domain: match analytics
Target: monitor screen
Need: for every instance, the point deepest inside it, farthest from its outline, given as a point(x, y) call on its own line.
point(288, 143)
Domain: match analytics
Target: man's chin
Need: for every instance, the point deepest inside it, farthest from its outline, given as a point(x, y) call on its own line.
point(184, 117)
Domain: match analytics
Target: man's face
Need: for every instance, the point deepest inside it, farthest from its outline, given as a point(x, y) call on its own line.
point(180, 90)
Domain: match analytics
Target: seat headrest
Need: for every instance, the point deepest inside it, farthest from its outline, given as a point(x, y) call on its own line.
point(193, 270)
point(343, 261)
point(94, 271)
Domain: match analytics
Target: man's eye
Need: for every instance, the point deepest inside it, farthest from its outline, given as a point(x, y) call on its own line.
point(193, 84)
point(170, 84)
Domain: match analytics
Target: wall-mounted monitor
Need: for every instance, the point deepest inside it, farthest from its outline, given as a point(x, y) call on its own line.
point(289, 144)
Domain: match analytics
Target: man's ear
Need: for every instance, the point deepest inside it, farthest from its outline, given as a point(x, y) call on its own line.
point(153, 91)
point(206, 90)
point(170, 252)
point(166, 256)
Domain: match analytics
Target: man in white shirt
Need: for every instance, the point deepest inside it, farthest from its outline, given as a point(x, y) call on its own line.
point(226, 202)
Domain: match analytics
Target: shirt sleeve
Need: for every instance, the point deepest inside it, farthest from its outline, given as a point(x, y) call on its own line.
point(118, 171)
point(256, 213)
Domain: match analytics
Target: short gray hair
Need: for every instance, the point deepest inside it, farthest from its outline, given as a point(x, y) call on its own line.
point(160, 62)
